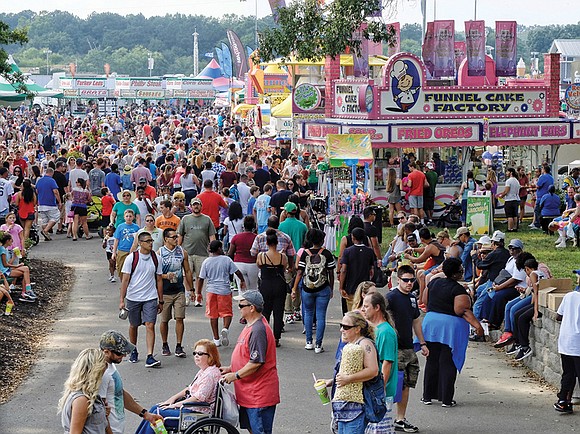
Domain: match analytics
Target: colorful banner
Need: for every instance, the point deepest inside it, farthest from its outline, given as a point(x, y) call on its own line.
point(428, 48)
point(239, 55)
point(459, 53)
point(395, 46)
point(361, 59)
point(444, 53)
point(521, 131)
point(478, 218)
point(227, 64)
point(347, 150)
point(220, 58)
point(475, 47)
point(505, 48)
point(435, 133)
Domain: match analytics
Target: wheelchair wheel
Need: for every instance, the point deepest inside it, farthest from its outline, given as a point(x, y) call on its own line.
point(211, 426)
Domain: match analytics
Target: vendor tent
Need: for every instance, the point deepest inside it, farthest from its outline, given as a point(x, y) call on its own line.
point(284, 109)
point(211, 71)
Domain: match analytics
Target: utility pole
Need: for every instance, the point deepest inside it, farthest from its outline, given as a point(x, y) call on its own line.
point(47, 52)
point(195, 53)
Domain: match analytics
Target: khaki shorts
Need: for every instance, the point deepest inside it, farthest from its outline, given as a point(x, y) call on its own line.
point(50, 215)
point(175, 303)
point(195, 262)
point(409, 364)
point(120, 259)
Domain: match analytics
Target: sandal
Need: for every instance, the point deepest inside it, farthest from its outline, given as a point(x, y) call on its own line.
point(75, 239)
point(89, 238)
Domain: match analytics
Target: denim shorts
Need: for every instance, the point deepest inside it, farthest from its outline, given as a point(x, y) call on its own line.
point(141, 312)
point(258, 420)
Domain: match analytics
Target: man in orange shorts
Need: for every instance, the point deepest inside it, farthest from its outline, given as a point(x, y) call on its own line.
point(217, 270)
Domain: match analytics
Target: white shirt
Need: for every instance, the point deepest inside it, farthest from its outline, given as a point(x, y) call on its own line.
point(143, 283)
point(244, 192)
point(6, 191)
point(514, 192)
point(569, 337)
point(76, 174)
point(112, 390)
point(519, 275)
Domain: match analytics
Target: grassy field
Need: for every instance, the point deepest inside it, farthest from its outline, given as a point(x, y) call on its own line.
point(560, 261)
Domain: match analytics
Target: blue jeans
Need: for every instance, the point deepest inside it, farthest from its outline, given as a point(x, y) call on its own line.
point(145, 427)
point(480, 297)
point(315, 302)
point(355, 426)
point(463, 210)
point(537, 211)
point(258, 420)
point(510, 311)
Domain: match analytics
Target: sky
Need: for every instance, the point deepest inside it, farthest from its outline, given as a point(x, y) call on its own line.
point(526, 12)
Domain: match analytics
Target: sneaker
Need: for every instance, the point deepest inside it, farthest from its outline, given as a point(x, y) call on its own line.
point(404, 425)
point(30, 293)
point(563, 407)
point(197, 304)
point(426, 401)
point(535, 228)
point(165, 349)
point(217, 342)
point(309, 346)
point(179, 351)
point(575, 400)
point(453, 404)
point(289, 318)
point(297, 316)
point(318, 349)
point(225, 337)
point(505, 339)
point(113, 279)
point(151, 362)
point(513, 349)
point(26, 298)
point(134, 357)
point(523, 353)
point(476, 338)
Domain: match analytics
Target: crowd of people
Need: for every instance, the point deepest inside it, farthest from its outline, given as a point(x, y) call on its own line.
point(191, 211)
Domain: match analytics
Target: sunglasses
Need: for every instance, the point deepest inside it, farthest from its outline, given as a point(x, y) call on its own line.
point(241, 306)
point(408, 279)
point(118, 354)
point(172, 237)
point(147, 241)
point(346, 326)
point(200, 353)
point(149, 221)
point(126, 195)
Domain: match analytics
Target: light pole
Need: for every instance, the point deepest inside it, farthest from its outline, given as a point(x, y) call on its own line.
point(195, 53)
point(47, 52)
point(150, 63)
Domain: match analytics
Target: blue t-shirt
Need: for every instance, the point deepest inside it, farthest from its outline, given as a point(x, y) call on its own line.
point(550, 205)
point(543, 184)
point(124, 233)
point(3, 251)
point(262, 214)
point(251, 204)
point(126, 181)
point(113, 183)
point(45, 187)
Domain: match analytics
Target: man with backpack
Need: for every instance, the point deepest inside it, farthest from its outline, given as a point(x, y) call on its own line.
point(142, 294)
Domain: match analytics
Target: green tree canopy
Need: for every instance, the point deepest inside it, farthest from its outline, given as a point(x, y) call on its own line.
point(11, 36)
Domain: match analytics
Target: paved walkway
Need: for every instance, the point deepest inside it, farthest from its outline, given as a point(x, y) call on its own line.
point(493, 396)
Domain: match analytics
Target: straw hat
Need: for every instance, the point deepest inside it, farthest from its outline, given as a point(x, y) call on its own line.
point(120, 195)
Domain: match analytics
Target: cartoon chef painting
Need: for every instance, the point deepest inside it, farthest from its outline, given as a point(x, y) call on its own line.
point(404, 83)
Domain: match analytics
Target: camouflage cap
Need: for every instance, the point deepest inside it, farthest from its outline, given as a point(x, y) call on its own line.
point(115, 341)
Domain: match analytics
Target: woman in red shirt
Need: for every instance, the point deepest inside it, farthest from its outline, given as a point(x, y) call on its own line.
point(239, 251)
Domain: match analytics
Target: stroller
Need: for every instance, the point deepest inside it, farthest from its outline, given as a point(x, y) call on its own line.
point(94, 214)
point(317, 210)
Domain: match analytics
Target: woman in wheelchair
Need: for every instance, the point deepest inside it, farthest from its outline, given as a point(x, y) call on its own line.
point(202, 388)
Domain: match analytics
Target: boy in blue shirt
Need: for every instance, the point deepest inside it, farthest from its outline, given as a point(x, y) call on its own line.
point(124, 239)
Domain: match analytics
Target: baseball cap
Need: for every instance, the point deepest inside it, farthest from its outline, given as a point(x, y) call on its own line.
point(290, 207)
point(411, 237)
point(196, 200)
point(430, 166)
point(127, 169)
point(498, 236)
point(250, 170)
point(142, 179)
point(252, 297)
point(516, 244)
point(461, 231)
point(115, 341)
point(80, 161)
point(484, 240)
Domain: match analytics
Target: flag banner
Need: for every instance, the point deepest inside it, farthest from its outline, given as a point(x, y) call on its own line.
point(444, 52)
point(274, 5)
point(427, 49)
point(395, 47)
point(475, 47)
point(459, 53)
point(361, 59)
point(227, 65)
point(505, 48)
point(209, 54)
point(220, 55)
point(239, 54)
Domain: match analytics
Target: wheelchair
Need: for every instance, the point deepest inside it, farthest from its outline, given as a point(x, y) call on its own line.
point(192, 422)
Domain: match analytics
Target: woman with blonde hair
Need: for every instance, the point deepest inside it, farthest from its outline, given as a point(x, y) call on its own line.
point(82, 409)
point(393, 194)
point(362, 290)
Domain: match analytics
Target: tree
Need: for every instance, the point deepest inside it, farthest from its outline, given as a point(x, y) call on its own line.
point(7, 37)
point(310, 30)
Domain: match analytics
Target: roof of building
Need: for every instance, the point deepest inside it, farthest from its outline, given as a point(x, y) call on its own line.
point(566, 47)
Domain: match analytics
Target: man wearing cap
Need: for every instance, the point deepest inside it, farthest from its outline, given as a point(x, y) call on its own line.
point(492, 264)
point(196, 231)
point(429, 192)
point(253, 367)
point(76, 173)
point(149, 191)
point(506, 291)
point(115, 347)
point(467, 241)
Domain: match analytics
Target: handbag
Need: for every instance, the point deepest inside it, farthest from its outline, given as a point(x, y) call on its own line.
point(230, 409)
point(379, 277)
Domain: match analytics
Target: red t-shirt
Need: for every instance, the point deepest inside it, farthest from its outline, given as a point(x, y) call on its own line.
point(417, 181)
point(243, 243)
point(256, 344)
point(108, 202)
point(210, 205)
point(228, 179)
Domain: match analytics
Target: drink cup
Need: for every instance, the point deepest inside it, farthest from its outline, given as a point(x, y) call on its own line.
point(17, 252)
point(159, 427)
point(9, 307)
point(123, 313)
point(322, 391)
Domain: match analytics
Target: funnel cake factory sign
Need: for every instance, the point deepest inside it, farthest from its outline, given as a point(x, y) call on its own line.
point(406, 95)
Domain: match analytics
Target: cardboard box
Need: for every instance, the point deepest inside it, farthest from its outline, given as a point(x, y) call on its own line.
point(554, 301)
point(552, 286)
